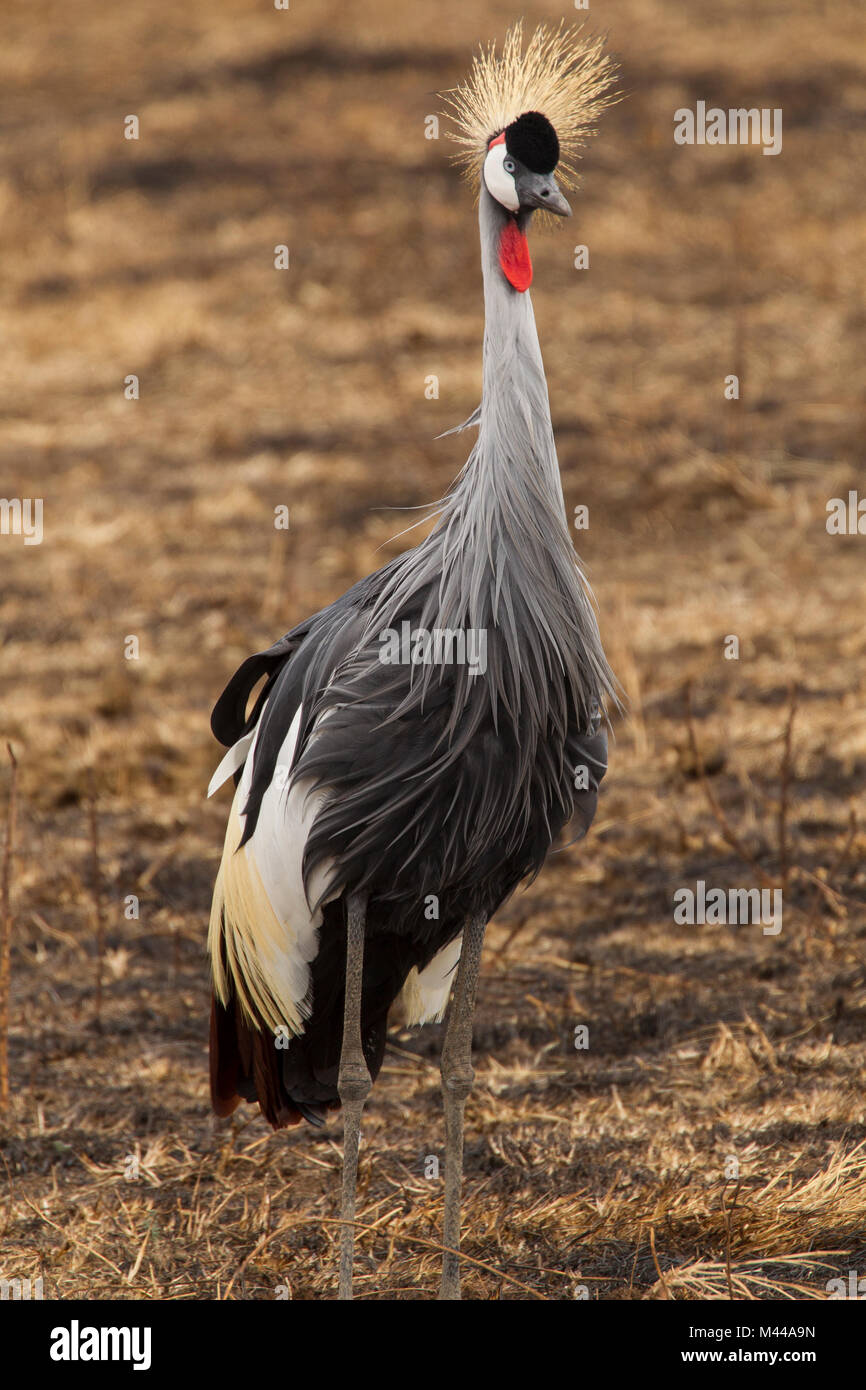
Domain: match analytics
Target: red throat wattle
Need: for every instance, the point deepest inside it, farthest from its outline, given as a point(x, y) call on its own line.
point(514, 256)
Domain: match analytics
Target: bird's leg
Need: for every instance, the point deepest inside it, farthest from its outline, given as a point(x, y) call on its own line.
point(457, 1077)
point(353, 1083)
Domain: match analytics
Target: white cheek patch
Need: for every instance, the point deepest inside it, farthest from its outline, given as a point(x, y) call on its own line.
point(500, 184)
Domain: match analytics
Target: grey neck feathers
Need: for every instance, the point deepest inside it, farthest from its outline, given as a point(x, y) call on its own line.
point(515, 442)
point(500, 557)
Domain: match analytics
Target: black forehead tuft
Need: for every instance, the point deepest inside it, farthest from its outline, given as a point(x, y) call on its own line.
point(532, 140)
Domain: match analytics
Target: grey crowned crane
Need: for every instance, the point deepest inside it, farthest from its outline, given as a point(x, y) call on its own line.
point(419, 744)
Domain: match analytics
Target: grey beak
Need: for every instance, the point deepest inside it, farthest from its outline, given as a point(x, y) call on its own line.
point(541, 191)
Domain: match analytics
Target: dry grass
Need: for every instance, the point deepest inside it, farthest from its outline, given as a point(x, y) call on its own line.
point(605, 1168)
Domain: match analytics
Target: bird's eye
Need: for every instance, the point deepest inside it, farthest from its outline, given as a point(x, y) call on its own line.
point(508, 164)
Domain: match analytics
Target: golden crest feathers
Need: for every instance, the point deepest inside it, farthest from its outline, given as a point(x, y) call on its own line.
point(567, 77)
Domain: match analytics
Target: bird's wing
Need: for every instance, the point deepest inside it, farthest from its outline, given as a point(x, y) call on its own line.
point(263, 930)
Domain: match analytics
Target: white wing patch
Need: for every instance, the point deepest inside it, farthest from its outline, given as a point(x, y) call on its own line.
point(425, 995)
point(262, 935)
point(233, 759)
point(260, 910)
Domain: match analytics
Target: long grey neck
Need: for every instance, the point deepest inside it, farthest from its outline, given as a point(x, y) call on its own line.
point(515, 442)
point(500, 556)
point(506, 509)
